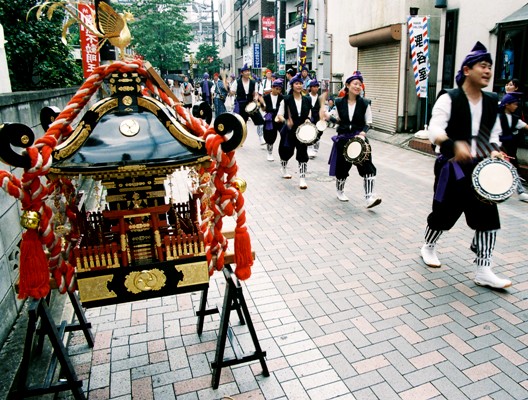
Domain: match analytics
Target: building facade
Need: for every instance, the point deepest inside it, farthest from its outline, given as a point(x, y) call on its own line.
point(375, 41)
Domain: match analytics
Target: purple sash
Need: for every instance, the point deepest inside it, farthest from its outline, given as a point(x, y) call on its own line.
point(332, 161)
point(285, 133)
point(443, 178)
point(268, 121)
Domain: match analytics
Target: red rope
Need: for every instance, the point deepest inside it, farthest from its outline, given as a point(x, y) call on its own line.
point(32, 190)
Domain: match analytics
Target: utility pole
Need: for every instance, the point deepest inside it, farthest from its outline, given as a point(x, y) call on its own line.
point(241, 32)
point(276, 36)
point(212, 24)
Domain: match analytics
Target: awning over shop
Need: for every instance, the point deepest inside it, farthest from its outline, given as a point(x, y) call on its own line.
point(387, 34)
point(520, 15)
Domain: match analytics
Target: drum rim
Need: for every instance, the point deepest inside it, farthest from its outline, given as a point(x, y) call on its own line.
point(364, 146)
point(481, 192)
point(253, 105)
point(299, 128)
point(321, 122)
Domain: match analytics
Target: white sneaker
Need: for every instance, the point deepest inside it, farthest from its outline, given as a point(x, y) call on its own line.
point(270, 157)
point(429, 256)
point(262, 140)
point(341, 195)
point(373, 201)
point(486, 277)
point(302, 183)
point(285, 173)
point(523, 197)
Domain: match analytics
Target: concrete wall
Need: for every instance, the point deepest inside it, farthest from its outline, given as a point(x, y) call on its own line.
point(22, 107)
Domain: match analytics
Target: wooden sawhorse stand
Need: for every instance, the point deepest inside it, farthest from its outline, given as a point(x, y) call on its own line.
point(233, 300)
point(40, 323)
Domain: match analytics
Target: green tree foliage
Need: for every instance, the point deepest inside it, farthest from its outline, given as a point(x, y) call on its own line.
point(36, 56)
point(208, 60)
point(159, 32)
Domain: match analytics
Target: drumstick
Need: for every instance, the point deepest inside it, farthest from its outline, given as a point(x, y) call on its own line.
point(322, 101)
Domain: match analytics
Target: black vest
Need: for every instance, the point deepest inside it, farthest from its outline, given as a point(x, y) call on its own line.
point(459, 125)
point(358, 119)
point(315, 109)
point(269, 104)
point(508, 130)
point(291, 108)
point(241, 94)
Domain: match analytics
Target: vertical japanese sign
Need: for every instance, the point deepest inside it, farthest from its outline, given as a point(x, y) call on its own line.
point(419, 42)
point(268, 27)
point(89, 42)
point(304, 29)
point(282, 56)
point(257, 63)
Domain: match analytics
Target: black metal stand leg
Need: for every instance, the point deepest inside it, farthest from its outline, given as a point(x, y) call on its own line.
point(258, 351)
point(28, 344)
point(83, 324)
point(39, 313)
point(222, 337)
point(67, 369)
point(202, 312)
point(234, 299)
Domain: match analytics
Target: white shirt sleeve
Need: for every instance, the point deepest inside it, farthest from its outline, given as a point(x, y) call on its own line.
point(520, 124)
point(496, 131)
point(440, 117)
point(281, 109)
point(368, 116)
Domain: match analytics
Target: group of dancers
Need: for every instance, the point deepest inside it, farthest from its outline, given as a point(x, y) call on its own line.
point(458, 119)
point(280, 116)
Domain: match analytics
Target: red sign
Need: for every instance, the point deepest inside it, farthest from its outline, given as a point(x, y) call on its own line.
point(268, 27)
point(89, 42)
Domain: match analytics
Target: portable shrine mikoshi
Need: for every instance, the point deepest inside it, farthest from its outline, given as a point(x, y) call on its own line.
point(136, 242)
point(129, 237)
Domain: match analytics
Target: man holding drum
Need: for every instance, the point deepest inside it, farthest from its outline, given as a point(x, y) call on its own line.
point(465, 127)
point(354, 118)
point(270, 105)
point(294, 111)
point(246, 95)
point(313, 95)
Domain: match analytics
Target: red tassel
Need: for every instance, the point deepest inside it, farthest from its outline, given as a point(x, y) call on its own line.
point(243, 256)
point(34, 273)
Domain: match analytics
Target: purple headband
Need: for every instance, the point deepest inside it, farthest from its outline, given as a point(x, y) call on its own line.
point(296, 78)
point(355, 75)
point(478, 53)
point(277, 83)
point(509, 98)
point(314, 83)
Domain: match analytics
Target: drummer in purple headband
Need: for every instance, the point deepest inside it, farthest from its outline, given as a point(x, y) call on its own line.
point(294, 111)
point(270, 104)
point(465, 128)
point(315, 100)
point(511, 136)
point(354, 118)
point(245, 90)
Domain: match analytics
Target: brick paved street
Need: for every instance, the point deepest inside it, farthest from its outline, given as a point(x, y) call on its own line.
point(340, 299)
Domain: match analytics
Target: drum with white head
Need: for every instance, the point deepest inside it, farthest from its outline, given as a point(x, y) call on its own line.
point(306, 133)
point(252, 107)
point(356, 150)
point(321, 125)
point(494, 180)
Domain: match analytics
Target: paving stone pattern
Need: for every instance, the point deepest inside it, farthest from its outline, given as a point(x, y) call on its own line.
point(340, 299)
